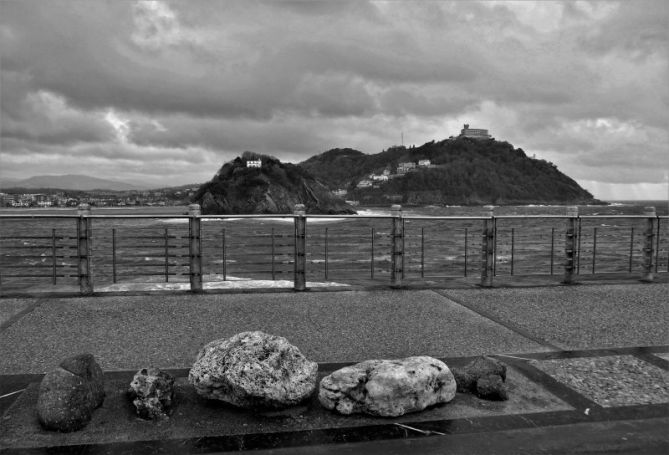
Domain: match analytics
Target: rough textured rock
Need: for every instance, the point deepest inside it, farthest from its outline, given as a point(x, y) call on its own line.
point(69, 394)
point(254, 370)
point(482, 370)
point(388, 388)
point(491, 387)
point(152, 393)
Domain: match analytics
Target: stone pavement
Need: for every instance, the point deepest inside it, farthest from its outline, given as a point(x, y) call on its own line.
point(609, 337)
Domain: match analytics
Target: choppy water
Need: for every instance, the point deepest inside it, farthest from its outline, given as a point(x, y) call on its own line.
point(350, 249)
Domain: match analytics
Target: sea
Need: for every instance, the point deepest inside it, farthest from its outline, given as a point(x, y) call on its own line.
point(41, 250)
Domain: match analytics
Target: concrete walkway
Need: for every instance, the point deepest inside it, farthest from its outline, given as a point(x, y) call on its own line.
point(166, 330)
point(129, 332)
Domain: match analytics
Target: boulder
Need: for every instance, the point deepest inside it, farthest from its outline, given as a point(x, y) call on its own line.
point(388, 388)
point(254, 370)
point(482, 370)
point(69, 394)
point(491, 387)
point(152, 393)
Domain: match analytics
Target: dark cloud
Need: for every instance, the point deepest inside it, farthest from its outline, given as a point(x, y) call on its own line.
point(142, 87)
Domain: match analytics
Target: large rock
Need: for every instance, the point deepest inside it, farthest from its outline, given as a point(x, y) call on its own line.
point(152, 393)
point(388, 388)
point(69, 394)
point(254, 370)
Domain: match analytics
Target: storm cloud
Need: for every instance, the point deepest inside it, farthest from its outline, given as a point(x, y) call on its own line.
point(165, 92)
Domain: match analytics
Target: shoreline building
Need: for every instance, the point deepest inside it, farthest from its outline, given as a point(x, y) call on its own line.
point(474, 133)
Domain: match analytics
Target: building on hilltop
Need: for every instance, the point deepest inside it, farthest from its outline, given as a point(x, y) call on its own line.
point(253, 163)
point(474, 133)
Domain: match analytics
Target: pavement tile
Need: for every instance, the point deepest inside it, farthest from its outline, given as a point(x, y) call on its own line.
point(579, 317)
point(619, 380)
point(166, 330)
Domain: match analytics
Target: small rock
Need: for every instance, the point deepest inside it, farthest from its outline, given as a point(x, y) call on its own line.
point(388, 388)
point(152, 393)
point(491, 387)
point(254, 370)
point(466, 383)
point(69, 394)
point(467, 377)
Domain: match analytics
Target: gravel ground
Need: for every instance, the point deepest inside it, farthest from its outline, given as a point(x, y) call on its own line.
point(580, 317)
point(11, 307)
point(620, 380)
point(131, 332)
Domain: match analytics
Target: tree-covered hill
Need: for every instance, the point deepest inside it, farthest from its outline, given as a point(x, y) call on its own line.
point(274, 187)
point(462, 171)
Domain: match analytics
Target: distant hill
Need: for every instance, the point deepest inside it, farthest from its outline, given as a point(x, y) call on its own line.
point(274, 187)
point(463, 171)
point(71, 182)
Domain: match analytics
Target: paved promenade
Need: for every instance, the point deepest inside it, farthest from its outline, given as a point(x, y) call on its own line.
point(533, 324)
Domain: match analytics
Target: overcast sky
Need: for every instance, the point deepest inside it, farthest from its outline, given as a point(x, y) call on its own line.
point(166, 92)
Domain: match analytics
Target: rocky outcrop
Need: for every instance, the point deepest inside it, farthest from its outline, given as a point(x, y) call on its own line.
point(388, 388)
point(254, 370)
point(274, 187)
point(483, 376)
point(152, 393)
point(69, 394)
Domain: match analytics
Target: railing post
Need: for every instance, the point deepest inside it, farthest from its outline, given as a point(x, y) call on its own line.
point(84, 232)
point(114, 255)
point(371, 263)
point(194, 248)
point(300, 260)
point(648, 244)
point(571, 244)
point(488, 246)
point(54, 262)
point(397, 253)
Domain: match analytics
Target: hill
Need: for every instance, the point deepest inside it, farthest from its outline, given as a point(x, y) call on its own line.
point(71, 182)
point(274, 187)
point(462, 171)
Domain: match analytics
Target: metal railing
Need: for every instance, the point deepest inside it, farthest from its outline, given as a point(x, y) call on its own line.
point(87, 250)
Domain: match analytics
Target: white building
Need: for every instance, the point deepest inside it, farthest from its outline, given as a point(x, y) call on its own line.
point(424, 163)
point(403, 168)
point(254, 163)
point(474, 133)
point(364, 183)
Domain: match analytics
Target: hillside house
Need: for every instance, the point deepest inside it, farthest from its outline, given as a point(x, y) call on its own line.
point(378, 177)
point(403, 168)
point(254, 163)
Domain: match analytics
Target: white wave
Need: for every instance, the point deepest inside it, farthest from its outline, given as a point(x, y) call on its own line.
point(173, 220)
point(373, 212)
point(327, 220)
point(215, 282)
